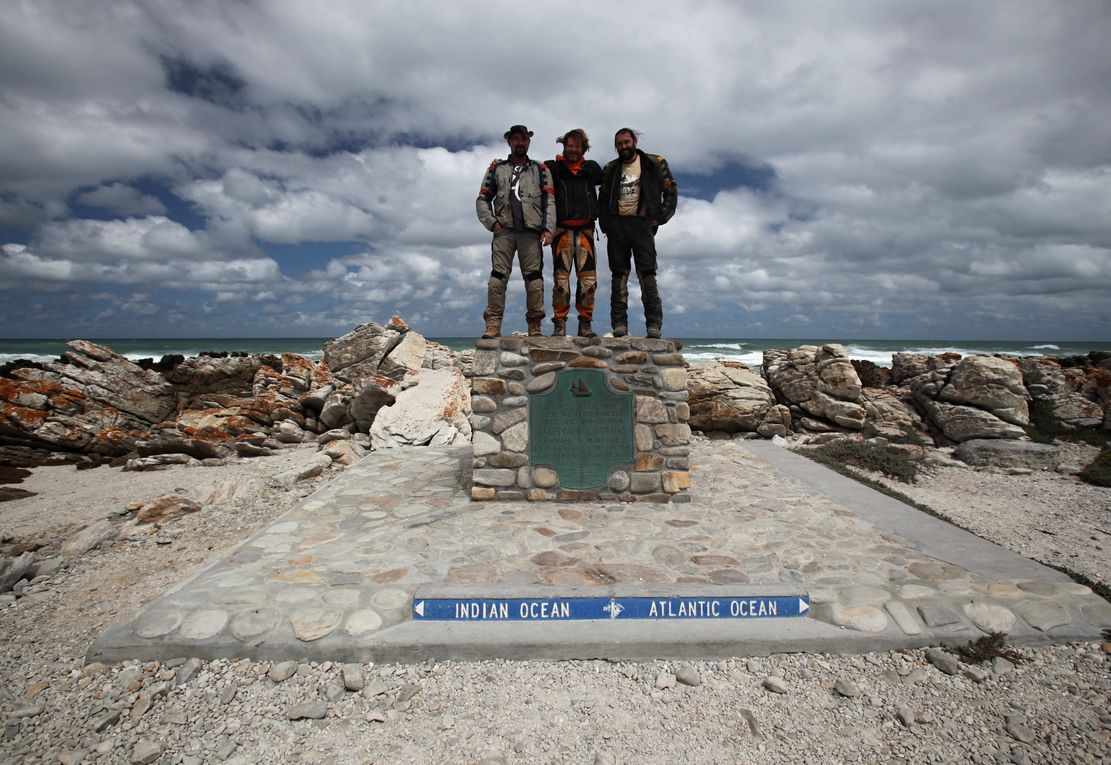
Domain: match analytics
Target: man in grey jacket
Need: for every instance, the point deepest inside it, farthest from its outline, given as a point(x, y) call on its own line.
point(516, 203)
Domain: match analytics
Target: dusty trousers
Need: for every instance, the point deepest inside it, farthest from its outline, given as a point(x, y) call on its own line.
point(631, 242)
point(573, 248)
point(526, 244)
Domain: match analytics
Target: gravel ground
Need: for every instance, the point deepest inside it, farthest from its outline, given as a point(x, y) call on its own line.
point(1050, 517)
point(1050, 707)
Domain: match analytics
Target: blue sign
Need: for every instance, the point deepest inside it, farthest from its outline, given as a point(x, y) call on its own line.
point(575, 609)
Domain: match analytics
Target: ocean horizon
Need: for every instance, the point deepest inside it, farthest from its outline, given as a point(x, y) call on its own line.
point(746, 350)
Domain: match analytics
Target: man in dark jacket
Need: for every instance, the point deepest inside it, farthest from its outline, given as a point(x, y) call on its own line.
point(638, 196)
point(575, 180)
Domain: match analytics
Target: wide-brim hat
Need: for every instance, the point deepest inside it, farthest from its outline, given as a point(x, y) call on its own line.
point(517, 129)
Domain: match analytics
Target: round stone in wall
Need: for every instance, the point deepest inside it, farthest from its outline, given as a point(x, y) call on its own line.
point(314, 623)
point(253, 622)
point(619, 481)
point(363, 620)
point(390, 598)
point(203, 624)
point(544, 477)
point(158, 623)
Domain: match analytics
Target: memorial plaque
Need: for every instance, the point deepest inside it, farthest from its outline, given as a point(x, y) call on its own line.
point(581, 428)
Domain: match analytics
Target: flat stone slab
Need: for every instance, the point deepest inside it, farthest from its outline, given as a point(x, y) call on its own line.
point(339, 576)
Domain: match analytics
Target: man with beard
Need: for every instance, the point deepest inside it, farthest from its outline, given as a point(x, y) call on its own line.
point(517, 204)
point(576, 200)
point(638, 196)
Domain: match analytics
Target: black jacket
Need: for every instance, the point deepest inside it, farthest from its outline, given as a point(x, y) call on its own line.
point(658, 191)
point(576, 196)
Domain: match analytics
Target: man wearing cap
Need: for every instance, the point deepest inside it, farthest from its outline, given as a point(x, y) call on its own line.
point(516, 203)
point(638, 196)
point(576, 182)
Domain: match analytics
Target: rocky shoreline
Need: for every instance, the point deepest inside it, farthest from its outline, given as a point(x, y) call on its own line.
point(391, 385)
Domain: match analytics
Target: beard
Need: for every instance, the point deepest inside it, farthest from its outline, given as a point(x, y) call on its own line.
point(520, 151)
point(627, 155)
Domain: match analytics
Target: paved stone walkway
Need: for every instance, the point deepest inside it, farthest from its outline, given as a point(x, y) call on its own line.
point(337, 577)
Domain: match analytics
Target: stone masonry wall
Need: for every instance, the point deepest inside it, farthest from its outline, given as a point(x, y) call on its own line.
point(508, 371)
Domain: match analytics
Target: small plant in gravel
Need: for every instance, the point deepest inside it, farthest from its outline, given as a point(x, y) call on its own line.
point(986, 649)
point(868, 456)
point(1098, 471)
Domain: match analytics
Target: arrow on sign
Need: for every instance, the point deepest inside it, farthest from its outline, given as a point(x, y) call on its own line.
point(419, 608)
point(803, 606)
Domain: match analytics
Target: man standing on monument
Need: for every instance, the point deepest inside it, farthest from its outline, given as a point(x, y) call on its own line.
point(517, 204)
point(638, 196)
point(576, 180)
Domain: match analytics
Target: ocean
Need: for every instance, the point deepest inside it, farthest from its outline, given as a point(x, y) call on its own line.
point(695, 349)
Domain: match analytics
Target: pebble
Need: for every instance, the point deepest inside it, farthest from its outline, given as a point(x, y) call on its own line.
point(846, 688)
point(604, 758)
point(353, 678)
point(664, 680)
point(106, 719)
point(1001, 666)
point(1017, 729)
point(905, 715)
point(309, 710)
point(976, 675)
point(282, 671)
point(140, 707)
point(146, 751)
point(943, 660)
point(333, 691)
point(775, 684)
point(753, 726)
point(688, 675)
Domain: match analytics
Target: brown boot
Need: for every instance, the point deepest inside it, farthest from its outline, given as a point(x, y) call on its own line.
point(585, 329)
point(493, 329)
point(534, 328)
point(560, 327)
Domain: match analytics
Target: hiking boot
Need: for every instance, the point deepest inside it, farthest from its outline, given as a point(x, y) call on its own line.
point(653, 332)
point(493, 329)
point(620, 330)
point(534, 328)
point(585, 330)
point(560, 327)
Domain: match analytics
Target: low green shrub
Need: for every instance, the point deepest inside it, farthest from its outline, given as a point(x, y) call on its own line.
point(868, 456)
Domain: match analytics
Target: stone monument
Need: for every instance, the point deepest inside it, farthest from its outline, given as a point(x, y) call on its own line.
point(574, 418)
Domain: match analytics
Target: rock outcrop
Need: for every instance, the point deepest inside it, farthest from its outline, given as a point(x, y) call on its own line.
point(435, 412)
point(943, 397)
point(214, 406)
point(93, 401)
point(728, 397)
point(816, 382)
point(1059, 392)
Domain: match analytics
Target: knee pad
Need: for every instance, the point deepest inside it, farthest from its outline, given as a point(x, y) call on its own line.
point(533, 276)
point(498, 275)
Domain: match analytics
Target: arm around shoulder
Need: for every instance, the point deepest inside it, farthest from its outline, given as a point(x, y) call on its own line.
point(669, 190)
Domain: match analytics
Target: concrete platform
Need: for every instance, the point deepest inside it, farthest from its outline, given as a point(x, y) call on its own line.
point(345, 576)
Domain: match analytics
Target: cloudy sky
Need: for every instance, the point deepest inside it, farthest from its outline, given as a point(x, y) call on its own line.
point(930, 170)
